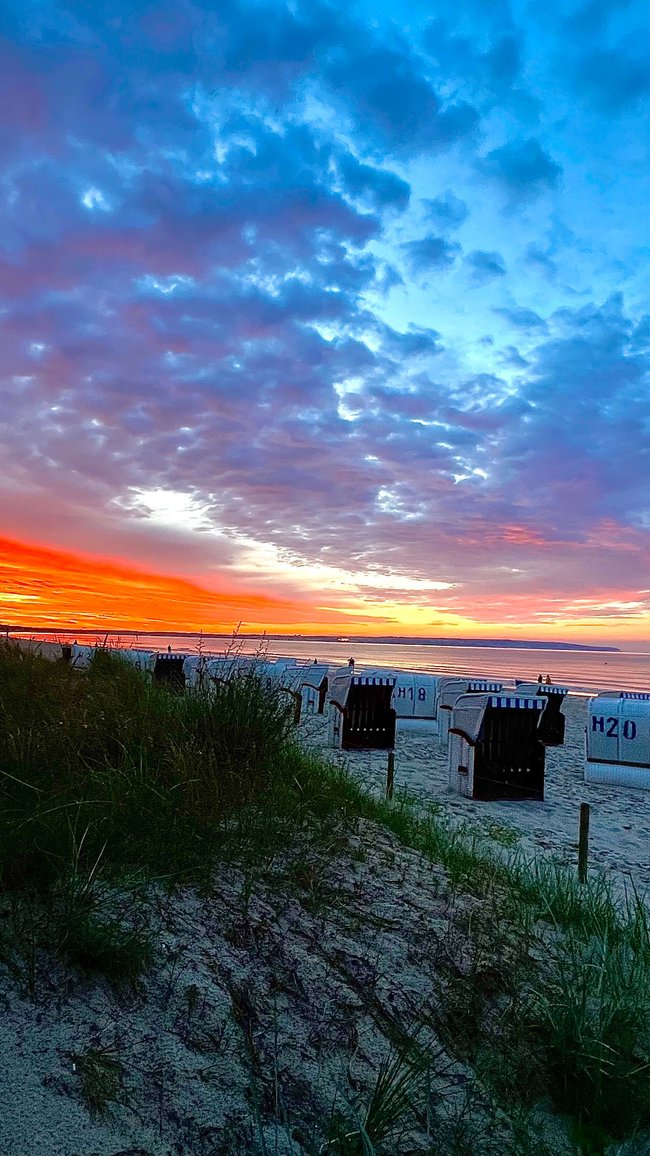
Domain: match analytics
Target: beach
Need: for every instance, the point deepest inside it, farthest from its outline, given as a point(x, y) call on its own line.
point(619, 841)
point(256, 970)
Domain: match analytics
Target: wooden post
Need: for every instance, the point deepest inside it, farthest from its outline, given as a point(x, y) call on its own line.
point(390, 775)
point(583, 842)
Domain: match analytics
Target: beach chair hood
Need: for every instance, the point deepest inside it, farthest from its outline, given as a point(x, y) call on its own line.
point(544, 688)
point(345, 678)
point(469, 711)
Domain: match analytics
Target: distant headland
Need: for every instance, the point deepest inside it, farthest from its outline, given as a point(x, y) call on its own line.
point(400, 640)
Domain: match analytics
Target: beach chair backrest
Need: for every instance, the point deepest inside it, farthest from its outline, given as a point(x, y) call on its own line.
point(415, 695)
point(450, 690)
point(313, 684)
point(553, 723)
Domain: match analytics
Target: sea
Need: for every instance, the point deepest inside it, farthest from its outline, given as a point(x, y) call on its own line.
point(582, 671)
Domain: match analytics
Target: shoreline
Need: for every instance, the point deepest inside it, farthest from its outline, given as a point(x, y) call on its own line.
point(584, 672)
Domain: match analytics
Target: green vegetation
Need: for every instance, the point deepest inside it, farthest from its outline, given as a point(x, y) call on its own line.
point(100, 1073)
point(104, 773)
point(109, 784)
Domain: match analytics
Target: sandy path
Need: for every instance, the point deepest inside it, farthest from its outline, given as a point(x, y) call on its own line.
point(620, 817)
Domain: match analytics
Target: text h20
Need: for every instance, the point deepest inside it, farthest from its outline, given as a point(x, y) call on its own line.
point(609, 727)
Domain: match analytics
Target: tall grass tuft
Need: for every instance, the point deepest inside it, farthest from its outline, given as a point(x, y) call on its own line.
point(107, 778)
point(146, 775)
point(592, 1016)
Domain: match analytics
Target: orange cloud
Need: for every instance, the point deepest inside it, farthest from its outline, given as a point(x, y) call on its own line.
point(43, 587)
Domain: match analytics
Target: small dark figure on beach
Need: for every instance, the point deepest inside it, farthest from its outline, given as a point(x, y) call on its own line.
point(540, 677)
point(350, 662)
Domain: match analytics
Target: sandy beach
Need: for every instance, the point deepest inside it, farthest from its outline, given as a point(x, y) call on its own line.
point(619, 842)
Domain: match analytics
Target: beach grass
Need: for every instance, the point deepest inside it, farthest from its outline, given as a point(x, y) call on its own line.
point(109, 784)
point(103, 770)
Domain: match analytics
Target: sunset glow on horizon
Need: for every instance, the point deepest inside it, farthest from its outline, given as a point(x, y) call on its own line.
point(326, 319)
point(44, 589)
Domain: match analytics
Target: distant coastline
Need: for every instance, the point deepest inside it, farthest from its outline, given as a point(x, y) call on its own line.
point(353, 639)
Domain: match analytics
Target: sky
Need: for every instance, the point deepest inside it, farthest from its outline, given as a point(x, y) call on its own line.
point(326, 317)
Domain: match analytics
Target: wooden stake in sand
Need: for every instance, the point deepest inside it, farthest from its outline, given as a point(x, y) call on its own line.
point(390, 775)
point(583, 842)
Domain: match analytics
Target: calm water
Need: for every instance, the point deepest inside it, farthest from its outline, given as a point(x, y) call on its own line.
point(580, 670)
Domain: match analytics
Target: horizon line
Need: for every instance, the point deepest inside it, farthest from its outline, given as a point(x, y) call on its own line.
point(402, 639)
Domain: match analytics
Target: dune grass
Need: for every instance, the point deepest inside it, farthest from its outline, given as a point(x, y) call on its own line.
point(108, 782)
point(106, 779)
point(101, 766)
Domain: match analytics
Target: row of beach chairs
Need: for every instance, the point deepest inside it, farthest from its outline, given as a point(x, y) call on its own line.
point(495, 737)
point(306, 683)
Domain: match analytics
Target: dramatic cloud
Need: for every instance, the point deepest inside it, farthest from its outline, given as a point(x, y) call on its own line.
point(393, 103)
point(314, 319)
point(489, 73)
point(523, 318)
point(614, 79)
point(447, 211)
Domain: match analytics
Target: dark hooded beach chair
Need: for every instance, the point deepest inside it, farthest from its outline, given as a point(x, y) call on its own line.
point(495, 751)
point(169, 671)
point(361, 715)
